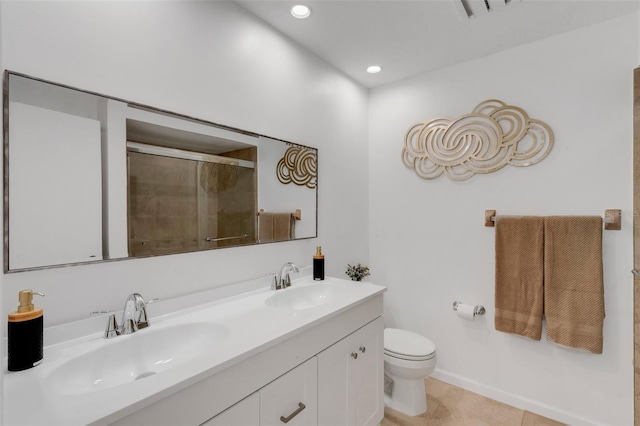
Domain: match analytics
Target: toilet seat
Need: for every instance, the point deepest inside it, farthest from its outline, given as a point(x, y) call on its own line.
point(410, 358)
point(403, 344)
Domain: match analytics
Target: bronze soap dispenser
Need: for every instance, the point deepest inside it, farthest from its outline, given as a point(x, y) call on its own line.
point(25, 333)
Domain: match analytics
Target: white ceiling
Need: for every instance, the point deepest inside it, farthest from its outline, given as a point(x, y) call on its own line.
point(411, 37)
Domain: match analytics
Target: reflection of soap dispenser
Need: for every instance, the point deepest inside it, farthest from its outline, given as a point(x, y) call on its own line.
point(318, 265)
point(25, 331)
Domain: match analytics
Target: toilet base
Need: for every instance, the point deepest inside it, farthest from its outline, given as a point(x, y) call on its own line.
point(408, 397)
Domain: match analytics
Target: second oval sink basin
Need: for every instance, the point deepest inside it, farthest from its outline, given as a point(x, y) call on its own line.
point(127, 358)
point(306, 297)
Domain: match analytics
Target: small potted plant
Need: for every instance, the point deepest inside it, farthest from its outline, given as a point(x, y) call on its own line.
point(357, 272)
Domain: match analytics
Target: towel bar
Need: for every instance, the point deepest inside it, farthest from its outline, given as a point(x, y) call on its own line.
point(612, 219)
point(213, 240)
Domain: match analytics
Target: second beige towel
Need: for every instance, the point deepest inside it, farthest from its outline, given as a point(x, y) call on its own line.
point(574, 290)
point(519, 276)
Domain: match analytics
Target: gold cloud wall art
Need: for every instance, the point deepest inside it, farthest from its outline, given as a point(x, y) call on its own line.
point(299, 166)
point(492, 136)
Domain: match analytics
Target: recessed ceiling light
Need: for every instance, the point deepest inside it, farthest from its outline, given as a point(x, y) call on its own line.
point(300, 11)
point(373, 69)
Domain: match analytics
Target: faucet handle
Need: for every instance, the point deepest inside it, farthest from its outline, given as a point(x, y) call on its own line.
point(275, 285)
point(143, 319)
point(112, 327)
point(286, 282)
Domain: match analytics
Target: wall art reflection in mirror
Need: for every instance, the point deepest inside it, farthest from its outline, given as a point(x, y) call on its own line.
point(299, 166)
point(89, 178)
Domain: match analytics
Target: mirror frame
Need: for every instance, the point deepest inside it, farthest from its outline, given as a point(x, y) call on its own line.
point(6, 196)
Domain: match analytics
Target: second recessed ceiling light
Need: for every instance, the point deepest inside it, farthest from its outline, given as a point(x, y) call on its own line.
point(300, 11)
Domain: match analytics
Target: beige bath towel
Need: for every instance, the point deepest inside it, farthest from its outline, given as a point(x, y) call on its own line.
point(574, 290)
point(519, 276)
point(276, 227)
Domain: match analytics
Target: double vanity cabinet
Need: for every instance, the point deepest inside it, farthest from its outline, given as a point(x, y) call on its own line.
point(311, 354)
point(339, 386)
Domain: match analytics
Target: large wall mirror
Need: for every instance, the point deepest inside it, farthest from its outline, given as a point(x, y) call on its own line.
point(89, 178)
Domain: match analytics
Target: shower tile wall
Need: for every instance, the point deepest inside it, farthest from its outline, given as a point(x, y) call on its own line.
point(172, 209)
point(162, 207)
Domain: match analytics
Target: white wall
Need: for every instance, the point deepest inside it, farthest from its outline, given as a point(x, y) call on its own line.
point(214, 61)
point(429, 245)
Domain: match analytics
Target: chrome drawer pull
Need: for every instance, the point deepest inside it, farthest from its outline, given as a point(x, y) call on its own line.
point(362, 349)
point(354, 355)
point(301, 407)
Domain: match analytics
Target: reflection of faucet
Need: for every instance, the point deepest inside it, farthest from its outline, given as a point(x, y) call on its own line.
point(134, 317)
point(283, 280)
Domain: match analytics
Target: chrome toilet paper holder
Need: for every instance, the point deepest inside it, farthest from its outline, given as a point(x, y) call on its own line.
point(477, 310)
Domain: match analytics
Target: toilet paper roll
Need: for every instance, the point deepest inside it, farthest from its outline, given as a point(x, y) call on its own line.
point(465, 311)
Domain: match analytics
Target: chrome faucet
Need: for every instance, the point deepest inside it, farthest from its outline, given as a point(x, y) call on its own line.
point(283, 280)
point(134, 317)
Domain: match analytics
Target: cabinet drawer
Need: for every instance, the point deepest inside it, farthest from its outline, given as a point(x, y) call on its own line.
point(291, 397)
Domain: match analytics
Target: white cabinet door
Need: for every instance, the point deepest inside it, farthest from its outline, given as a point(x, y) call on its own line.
point(244, 413)
point(335, 407)
point(350, 379)
point(291, 398)
point(368, 375)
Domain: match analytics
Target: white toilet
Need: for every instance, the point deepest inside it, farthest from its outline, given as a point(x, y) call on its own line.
point(409, 358)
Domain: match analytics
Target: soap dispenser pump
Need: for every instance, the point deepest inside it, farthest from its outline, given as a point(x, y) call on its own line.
point(25, 333)
point(318, 265)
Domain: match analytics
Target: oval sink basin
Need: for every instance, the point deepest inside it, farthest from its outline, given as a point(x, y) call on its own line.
point(127, 358)
point(306, 297)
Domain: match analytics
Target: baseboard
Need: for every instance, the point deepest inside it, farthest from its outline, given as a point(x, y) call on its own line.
point(511, 399)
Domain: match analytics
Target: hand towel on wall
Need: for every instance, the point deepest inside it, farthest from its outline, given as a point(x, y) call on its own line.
point(519, 276)
point(574, 290)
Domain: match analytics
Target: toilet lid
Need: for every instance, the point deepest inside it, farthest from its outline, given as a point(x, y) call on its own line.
point(407, 343)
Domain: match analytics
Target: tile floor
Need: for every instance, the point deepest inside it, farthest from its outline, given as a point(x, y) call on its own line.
point(448, 405)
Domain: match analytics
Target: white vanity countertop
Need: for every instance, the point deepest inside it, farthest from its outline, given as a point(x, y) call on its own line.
point(250, 325)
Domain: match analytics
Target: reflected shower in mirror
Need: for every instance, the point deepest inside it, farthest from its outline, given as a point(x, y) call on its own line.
point(92, 178)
